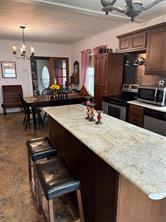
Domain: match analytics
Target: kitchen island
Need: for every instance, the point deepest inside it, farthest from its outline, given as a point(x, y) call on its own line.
point(122, 168)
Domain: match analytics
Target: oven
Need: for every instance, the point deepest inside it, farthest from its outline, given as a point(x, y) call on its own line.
point(116, 105)
point(114, 110)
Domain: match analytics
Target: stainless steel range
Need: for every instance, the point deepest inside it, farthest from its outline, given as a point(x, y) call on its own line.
point(116, 105)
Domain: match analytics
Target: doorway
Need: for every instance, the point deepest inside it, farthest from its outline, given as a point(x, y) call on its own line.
point(47, 71)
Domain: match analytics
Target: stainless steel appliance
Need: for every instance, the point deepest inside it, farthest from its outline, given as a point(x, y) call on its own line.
point(152, 94)
point(155, 121)
point(116, 105)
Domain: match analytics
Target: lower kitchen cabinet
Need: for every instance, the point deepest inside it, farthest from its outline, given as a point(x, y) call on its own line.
point(136, 115)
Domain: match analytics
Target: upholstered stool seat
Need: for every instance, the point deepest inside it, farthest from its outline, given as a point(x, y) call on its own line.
point(38, 149)
point(55, 180)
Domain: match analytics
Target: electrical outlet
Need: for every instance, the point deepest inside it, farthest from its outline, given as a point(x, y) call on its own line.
point(161, 83)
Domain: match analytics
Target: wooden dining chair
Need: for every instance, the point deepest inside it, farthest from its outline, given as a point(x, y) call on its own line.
point(28, 112)
point(60, 98)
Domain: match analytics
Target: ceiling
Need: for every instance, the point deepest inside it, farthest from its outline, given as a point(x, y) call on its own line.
point(62, 21)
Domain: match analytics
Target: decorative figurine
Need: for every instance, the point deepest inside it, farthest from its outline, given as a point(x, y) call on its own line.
point(92, 109)
point(99, 117)
point(88, 111)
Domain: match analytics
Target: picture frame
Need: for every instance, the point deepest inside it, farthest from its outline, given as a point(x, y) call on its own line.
point(8, 69)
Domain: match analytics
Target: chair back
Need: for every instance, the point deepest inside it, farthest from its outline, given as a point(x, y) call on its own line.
point(60, 98)
point(47, 91)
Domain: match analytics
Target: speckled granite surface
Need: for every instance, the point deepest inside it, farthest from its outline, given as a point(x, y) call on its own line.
point(135, 153)
point(149, 106)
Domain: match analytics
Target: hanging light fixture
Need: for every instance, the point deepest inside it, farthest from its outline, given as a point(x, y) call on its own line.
point(23, 52)
point(133, 7)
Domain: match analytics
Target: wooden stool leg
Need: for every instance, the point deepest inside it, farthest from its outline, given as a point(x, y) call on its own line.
point(39, 196)
point(35, 182)
point(29, 167)
point(51, 211)
point(81, 212)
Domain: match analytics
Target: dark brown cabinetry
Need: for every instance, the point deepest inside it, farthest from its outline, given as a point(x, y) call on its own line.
point(108, 76)
point(153, 41)
point(156, 51)
point(134, 42)
point(124, 43)
point(136, 115)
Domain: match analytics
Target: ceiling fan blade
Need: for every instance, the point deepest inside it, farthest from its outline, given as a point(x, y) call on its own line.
point(109, 8)
point(155, 2)
point(108, 2)
point(129, 3)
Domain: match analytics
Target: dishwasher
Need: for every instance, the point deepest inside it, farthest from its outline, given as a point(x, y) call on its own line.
point(155, 121)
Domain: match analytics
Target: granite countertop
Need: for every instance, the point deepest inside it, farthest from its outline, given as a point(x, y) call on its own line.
point(147, 105)
point(136, 153)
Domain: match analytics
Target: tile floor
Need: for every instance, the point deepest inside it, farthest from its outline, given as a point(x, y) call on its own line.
point(16, 203)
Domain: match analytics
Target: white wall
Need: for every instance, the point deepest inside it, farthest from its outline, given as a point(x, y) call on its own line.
point(23, 66)
point(109, 37)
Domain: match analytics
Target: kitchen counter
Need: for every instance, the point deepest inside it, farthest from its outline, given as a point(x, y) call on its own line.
point(137, 154)
point(147, 105)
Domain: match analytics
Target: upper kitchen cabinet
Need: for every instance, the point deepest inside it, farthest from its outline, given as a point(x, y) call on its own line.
point(156, 51)
point(132, 42)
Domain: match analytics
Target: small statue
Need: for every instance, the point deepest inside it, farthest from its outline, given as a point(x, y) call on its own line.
point(92, 109)
point(99, 117)
point(88, 111)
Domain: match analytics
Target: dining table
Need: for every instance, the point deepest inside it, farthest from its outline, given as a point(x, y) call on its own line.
point(45, 100)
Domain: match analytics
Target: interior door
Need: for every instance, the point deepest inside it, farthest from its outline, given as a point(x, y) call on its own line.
point(59, 69)
point(47, 71)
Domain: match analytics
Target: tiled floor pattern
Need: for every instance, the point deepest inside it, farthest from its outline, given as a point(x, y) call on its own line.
point(16, 203)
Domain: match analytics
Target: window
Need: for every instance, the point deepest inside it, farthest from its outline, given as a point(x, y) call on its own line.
point(60, 72)
point(45, 77)
point(89, 82)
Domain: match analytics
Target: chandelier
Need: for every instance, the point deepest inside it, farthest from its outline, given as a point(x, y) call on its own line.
point(23, 53)
point(132, 9)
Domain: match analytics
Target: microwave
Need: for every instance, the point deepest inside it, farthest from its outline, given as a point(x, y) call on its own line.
point(152, 95)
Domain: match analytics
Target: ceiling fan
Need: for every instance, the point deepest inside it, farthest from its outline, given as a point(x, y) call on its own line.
point(133, 7)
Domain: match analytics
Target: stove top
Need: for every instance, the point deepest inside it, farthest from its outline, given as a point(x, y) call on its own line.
point(129, 92)
point(120, 99)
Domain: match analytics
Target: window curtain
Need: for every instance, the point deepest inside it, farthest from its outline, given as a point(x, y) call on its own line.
point(84, 65)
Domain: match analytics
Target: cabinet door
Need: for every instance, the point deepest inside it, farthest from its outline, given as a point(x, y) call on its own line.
point(124, 43)
point(138, 41)
point(156, 51)
point(115, 74)
point(136, 115)
point(99, 93)
point(101, 69)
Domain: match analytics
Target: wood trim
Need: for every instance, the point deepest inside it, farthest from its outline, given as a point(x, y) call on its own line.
point(51, 70)
point(140, 30)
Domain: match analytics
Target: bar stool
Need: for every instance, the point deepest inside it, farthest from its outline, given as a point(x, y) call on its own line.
point(54, 180)
point(38, 149)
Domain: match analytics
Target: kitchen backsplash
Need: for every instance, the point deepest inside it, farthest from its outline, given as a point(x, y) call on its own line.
point(136, 74)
